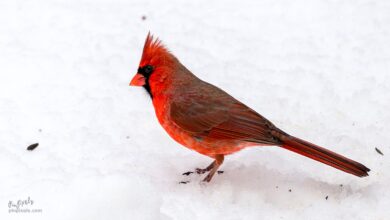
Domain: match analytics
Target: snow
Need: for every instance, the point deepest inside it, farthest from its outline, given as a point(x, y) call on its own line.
point(320, 70)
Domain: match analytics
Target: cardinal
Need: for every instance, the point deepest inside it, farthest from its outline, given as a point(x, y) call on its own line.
point(204, 118)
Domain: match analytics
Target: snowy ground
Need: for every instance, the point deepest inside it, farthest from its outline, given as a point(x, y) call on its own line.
point(319, 70)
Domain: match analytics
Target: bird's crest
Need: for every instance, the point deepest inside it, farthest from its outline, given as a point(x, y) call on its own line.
point(155, 52)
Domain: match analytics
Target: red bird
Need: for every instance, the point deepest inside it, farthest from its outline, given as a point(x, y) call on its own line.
point(204, 118)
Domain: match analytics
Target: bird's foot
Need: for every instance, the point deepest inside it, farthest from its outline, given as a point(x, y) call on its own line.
point(198, 171)
point(201, 171)
point(211, 169)
point(210, 175)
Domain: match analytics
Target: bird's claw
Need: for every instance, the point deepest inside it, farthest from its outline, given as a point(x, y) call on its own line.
point(200, 171)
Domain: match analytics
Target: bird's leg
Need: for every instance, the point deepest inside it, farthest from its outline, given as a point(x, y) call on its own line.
point(214, 167)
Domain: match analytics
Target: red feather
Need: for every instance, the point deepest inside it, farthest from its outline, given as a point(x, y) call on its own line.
point(206, 119)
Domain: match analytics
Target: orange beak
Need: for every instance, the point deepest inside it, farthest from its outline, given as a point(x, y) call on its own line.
point(138, 80)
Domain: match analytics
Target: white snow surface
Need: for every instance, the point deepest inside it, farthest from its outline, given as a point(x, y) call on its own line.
point(320, 70)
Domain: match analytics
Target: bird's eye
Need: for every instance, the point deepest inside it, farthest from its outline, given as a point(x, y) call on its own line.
point(148, 69)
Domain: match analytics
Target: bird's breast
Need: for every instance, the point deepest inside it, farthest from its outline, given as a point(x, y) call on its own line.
point(203, 145)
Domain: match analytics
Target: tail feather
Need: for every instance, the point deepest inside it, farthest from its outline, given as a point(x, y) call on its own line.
point(323, 155)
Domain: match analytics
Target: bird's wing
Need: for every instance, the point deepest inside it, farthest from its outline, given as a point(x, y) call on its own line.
point(217, 115)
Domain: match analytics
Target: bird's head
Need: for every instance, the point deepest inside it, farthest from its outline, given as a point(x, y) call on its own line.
point(155, 66)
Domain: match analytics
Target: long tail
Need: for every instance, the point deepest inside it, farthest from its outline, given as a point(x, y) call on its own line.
point(323, 155)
